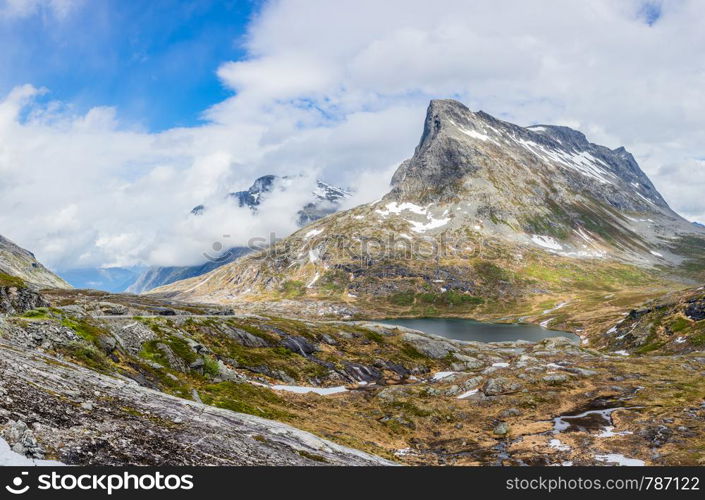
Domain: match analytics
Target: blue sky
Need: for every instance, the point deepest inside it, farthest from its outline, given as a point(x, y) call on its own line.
point(154, 61)
point(153, 107)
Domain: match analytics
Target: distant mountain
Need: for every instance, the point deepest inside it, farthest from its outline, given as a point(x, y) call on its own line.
point(325, 200)
point(111, 279)
point(18, 262)
point(158, 276)
point(507, 213)
point(699, 224)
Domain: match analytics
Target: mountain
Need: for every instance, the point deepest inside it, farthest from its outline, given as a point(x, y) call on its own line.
point(487, 219)
point(17, 262)
point(163, 275)
point(111, 279)
point(325, 200)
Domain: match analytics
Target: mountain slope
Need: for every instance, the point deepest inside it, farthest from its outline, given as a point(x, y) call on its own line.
point(19, 263)
point(325, 200)
point(487, 219)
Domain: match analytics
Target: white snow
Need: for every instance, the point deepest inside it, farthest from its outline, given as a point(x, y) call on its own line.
point(622, 353)
point(500, 365)
point(313, 255)
point(546, 242)
point(584, 234)
point(609, 432)
point(680, 340)
point(397, 208)
point(544, 324)
point(557, 445)
point(620, 460)
point(9, 458)
point(298, 389)
point(474, 134)
point(582, 162)
point(468, 394)
point(442, 375)
point(656, 254)
point(559, 306)
point(312, 233)
point(313, 281)
point(420, 227)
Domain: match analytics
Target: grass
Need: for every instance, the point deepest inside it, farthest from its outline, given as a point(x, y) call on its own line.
point(245, 398)
point(293, 289)
point(7, 280)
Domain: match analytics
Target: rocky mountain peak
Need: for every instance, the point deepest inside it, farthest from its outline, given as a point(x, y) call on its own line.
point(464, 153)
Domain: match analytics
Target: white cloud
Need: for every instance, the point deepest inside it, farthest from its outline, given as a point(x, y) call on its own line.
point(58, 9)
point(339, 89)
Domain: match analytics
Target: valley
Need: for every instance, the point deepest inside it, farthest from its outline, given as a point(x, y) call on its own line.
point(291, 355)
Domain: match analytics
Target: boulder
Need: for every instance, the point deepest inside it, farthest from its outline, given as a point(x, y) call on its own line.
point(500, 385)
point(433, 348)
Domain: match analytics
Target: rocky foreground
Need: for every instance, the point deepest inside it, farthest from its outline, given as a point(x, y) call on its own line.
point(101, 379)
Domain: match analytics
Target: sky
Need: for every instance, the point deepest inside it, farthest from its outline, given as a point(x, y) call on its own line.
point(116, 118)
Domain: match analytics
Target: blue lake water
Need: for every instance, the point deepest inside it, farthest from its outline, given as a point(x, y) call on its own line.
point(467, 329)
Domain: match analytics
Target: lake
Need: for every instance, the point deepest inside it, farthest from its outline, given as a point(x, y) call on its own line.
point(467, 329)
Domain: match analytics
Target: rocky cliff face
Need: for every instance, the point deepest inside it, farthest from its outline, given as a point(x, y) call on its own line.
point(18, 262)
point(18, 299)
point(487, 219)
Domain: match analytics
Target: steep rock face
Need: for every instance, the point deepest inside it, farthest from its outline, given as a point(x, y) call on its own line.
point(483, 209)
point(17, 300)
point(18, 262)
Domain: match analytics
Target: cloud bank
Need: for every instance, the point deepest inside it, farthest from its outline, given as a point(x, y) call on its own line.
point(338, 90)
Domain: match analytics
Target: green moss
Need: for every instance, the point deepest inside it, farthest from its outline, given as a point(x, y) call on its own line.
point(293, 288)
point(245, 398)
point(650, 347)
point(210, 367)
point(679, 324)
point(86, 355)
point(402, 298)
point(85, 329)
point(411, 352)
point(11, 281)
point(180, 348)
point(374, 336)
point(39, 313)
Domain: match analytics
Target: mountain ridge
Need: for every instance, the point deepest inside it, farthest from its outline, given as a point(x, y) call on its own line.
point(562, 214)
point(20, 263)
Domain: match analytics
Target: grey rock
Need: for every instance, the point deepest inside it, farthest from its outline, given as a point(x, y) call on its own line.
point(433, 348)
point(499, 386)
point(502, 429)
point(555, 379)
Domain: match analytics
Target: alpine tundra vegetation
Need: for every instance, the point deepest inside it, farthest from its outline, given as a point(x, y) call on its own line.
point(275, 358)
